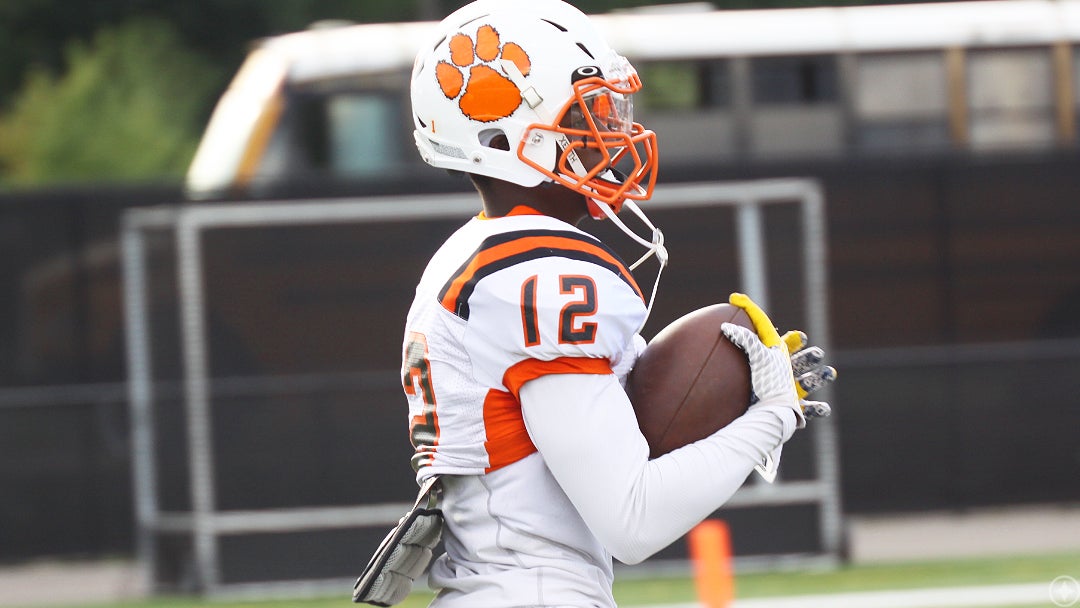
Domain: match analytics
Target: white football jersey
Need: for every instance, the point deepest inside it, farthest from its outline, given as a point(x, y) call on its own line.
point(505, 301)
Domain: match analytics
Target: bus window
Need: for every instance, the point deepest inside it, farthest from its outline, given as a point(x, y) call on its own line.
point(363, 139)
point(1010, 95)
point(336, 134)
point(688, 104)
point(796, 108)
point(671, 85)
point(806, 80)
point(296, 147)
point(900, 102)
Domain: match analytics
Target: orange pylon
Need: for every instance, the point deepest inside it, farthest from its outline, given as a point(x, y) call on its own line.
point(710, 552)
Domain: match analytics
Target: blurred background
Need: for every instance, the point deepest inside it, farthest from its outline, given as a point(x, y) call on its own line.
point(943, 138)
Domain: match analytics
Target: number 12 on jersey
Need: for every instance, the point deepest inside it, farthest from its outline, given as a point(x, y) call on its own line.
point(572, 328)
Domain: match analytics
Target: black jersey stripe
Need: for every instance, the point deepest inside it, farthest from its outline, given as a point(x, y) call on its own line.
point(466, 277)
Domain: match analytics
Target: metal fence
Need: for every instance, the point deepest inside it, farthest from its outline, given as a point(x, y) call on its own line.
point(206, 524)
point(954, 301)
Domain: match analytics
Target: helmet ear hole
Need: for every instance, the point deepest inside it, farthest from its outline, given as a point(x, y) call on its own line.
point(494, 138)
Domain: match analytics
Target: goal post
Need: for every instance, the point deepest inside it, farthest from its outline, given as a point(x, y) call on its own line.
point(205, 524)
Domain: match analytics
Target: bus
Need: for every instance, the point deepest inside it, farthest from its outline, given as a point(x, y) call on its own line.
point(721, 87)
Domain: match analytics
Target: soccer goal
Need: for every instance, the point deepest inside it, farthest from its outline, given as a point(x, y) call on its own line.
point(186, 541)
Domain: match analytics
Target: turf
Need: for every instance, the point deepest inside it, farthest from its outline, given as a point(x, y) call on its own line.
point(631, 592)
point(914, 575)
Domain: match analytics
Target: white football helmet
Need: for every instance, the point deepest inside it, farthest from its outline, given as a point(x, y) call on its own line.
point(538, 73)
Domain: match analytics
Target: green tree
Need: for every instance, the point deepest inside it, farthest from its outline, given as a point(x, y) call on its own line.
point(130, 106)
point(36, 32)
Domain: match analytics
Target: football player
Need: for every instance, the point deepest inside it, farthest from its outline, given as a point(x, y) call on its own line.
point(524, 327)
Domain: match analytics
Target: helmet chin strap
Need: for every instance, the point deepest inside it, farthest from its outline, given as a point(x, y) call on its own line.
point(656, 245)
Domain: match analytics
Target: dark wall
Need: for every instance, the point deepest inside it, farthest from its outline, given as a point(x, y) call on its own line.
point(941, 277)
point(64, 457)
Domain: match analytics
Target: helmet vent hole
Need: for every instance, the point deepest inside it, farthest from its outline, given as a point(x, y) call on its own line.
point(582, 47)
point(421, 121)
point(560, 28)
point(473, 19)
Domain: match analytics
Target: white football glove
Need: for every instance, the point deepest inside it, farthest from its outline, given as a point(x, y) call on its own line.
point(771, 376)
point(810, 373)
point(782, 370)
point(771, 382)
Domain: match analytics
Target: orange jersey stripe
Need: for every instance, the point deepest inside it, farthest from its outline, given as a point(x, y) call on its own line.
point(530, 369)
point(505, 250)
point(507, 440)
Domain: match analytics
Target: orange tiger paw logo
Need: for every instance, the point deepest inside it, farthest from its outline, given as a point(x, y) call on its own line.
point(485, 95)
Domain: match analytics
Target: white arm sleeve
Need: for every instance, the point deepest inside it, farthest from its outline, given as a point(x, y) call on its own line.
point(584, 427)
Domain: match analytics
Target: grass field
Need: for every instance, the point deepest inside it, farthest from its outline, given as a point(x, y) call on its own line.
point(644, 592)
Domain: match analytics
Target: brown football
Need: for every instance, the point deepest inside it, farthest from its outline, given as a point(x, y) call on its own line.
point(690, 381)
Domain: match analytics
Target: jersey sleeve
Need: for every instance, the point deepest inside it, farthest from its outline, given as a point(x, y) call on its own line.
point(634, 505)
point(552, 315)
